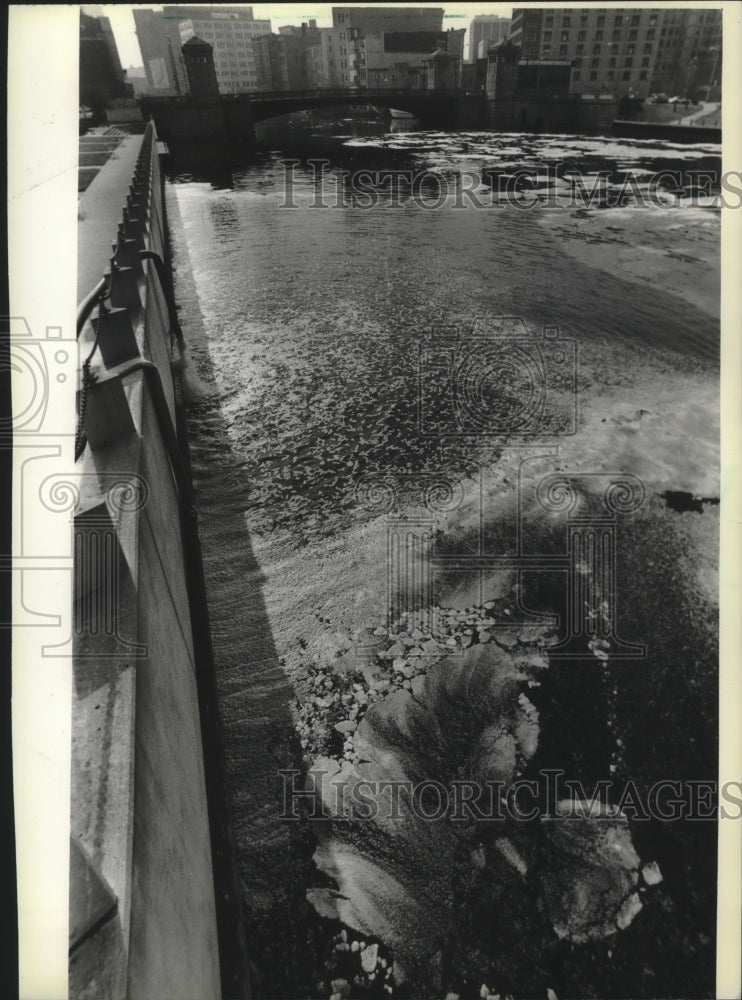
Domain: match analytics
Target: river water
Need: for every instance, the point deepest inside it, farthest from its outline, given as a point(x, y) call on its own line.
point(311, 384)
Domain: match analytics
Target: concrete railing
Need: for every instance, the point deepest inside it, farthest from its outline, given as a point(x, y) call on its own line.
point(144, 915)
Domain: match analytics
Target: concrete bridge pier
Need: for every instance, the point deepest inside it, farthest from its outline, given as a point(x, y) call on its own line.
point(202, 119)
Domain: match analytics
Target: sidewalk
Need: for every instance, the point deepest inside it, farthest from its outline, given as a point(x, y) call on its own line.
point(99, 213)
point(709, 115)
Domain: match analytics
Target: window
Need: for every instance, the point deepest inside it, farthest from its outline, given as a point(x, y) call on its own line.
point(618, 19)
point(566, 21)
point(653, 19)
point(576, 75)
point(650, 34)
point(645, 62)
point(636, 19)
point(547, 36)
point(601, 21)
point(598, 36)
point(616, 36)
point(565, 36)
point(549, 21)
point(632, 36)
point(593, 75)
point(612, 61)
point(648, 48)
point(597, 50)
point(562, 50)
point(630, 50)
point(643, 75)
point(595, 62)
point(628, 62)
point(579, 49)
point(581, 36)
point(611, 74)
point(627, 74)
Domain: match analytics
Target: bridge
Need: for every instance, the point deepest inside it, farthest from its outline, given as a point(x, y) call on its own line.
point(232, 117)
point(421, 103)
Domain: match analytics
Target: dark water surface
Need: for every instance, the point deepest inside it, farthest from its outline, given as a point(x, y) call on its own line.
point(304, 327)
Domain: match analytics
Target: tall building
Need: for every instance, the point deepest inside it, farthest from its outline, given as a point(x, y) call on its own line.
point(367, 20)
point(159, 43)
point(486, 28)
point(689, 54)
point(229, 30)
point(612, 50)
point(283, 61)
point(101, 77)
point(355, 24)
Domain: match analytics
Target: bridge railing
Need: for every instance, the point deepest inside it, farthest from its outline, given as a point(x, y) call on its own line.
point(364, 92)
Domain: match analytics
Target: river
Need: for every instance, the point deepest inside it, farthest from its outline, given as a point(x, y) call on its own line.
point(314, 387)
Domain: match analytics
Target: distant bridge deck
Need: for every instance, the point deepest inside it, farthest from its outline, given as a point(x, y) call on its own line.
point(272, 103)
point(228, 117)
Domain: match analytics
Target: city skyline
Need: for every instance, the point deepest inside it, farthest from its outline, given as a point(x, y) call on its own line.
point(122, 19)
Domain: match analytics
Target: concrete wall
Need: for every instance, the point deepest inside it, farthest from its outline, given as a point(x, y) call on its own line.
point(142, 893)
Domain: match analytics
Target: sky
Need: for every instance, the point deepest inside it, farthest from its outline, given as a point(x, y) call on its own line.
point(457, 15)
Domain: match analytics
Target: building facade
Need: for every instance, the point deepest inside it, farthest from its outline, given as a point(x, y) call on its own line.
point(397, 59)
point(364, 59)
point(160, 44)
point(229, 30)
point(612, 50)
point(101, 77)
point(623, 50)
point(486, 29)
point(689, 55)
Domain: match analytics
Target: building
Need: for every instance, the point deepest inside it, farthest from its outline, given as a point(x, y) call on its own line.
point(283, 61)
point(324, 58)
point(102, 79)
point(689, 54)
point(136, 76)
point(612, 50)
point(354, 25)
point(160, 45)
point(229, 30)
point(370, 20)
point(484, 30)
point(397, 59)
point(625, 50)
